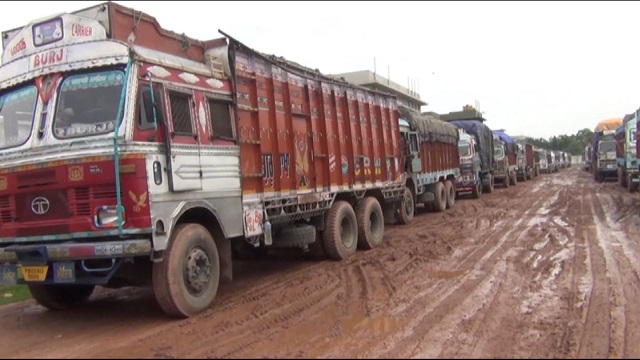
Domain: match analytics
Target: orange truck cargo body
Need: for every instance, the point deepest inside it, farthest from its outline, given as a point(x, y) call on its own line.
point(300, 134)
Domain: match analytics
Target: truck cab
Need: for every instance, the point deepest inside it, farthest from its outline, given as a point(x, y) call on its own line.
point(605, 158)
point(503, 170)
point(470, 166)
point(542, 160)
point(627, 161)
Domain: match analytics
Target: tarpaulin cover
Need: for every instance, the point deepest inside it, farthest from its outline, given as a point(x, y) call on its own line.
point(429, 127)
point(484, 138)
point(508, 140)
point(608, 124)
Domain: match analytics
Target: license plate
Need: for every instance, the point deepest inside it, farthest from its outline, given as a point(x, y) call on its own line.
point(34, 273)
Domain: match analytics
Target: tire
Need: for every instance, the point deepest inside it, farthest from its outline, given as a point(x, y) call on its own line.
point(507, 181)
point(316, 249)
point(370, 221)
point(451, 193)
point(440, 201)
point(297, 236)
point(177, 292)
point(60, 297)
point(489, 189)
point(631, 187)
point(340, 236)
point(514, 178)
point(477, 191)
point(407, 208)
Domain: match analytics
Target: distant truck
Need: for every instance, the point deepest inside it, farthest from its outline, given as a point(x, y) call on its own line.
point(432, 162)
point(603, 161)
point(541, 161)
point(472, 122)
point(470, 166)
point(526, 161)
point(626, 153)
point(505, 168)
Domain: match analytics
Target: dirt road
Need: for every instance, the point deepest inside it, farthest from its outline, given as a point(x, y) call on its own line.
point(549, 268)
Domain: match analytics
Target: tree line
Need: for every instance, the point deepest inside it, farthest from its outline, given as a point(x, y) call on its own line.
point(573, 144)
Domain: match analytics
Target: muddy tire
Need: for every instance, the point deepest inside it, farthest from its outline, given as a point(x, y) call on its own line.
point(489, 189)
point(340, 235)
point(440, 201)
point(60, 297)
point(477, 191)
point(451, 193)
point(631, 187)
point(186, 281)
point(407, 208)
point(370, 221)
point(514, 178)
point(298, 236)
point(506, 182)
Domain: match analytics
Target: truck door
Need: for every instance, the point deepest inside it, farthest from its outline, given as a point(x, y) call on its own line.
point(414, 148)
point(183, 162)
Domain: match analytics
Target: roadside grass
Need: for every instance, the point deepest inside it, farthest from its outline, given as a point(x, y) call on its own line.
point(13, 294)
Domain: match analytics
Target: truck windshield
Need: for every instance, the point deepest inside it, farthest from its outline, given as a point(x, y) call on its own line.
point(632, 136)
point(16, 115)
point(607, 146)
point(88, 104)
point(499, 152)
point(464, 149)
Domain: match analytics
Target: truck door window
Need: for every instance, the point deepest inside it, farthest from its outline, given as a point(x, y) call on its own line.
point(180, 104)
point(221, 124)
point(145, 113)
point(414, 142)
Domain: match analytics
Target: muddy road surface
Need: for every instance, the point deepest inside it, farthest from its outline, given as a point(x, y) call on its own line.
point(549, 268)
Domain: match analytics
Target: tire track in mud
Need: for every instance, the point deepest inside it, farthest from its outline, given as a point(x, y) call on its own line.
point(627, 261)
point(429, 305)
point(512, 315)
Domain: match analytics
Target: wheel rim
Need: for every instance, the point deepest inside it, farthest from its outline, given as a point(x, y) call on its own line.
point(197, 272)
point(346, 232)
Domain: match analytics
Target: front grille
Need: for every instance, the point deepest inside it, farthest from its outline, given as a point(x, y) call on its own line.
point(79, 201)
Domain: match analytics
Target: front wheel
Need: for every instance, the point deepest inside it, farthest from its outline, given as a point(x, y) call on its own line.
point(60, 297)
point(186, 281)
point(407, 208)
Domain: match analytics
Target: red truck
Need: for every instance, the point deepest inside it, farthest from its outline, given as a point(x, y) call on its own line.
point(134, 156)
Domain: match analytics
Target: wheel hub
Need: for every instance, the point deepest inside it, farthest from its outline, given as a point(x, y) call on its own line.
point(197, 271)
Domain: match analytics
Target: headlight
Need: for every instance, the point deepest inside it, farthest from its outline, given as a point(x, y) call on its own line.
point(107, 216)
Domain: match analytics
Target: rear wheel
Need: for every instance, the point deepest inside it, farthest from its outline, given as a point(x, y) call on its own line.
point(60, 297)
point(514, 178)
point(370, 223)
point(186, 281)
point(340, 236)
point(507, 181)
point(440, 201)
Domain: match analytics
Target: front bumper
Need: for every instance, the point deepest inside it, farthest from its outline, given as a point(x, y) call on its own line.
point(66, 260)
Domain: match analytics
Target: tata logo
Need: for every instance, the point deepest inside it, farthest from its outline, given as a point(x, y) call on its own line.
point(40, 205)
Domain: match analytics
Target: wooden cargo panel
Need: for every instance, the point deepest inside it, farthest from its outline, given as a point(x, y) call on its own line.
point(300, 134)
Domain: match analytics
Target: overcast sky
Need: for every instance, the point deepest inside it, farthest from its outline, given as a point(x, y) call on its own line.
point(536, 68)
